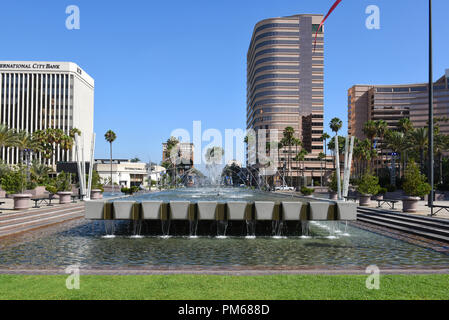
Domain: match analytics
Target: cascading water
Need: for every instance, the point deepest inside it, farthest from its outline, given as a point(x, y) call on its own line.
point(165, 225)
point(305, 229)
point(109, 227)
point(250, 229)
point(193, 226)
point(276, 227)
point(137, 228)
point(221, 229)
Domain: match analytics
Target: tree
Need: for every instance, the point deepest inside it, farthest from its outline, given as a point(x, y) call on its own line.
point(26, 143)
point(324, 137)
point(335, 125)
point(415, 184)
point(321, 157)
point(419, 139)
point(110, 137)
point(301, 156)
point(381, 131)
point(370, 131)
point(297, 143)
point(171, 156)
point(7, 136)
point(396, 142)
point(134, 160)
point(288, 140)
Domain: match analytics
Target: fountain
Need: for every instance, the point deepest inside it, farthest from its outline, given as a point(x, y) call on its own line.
point(233, 209)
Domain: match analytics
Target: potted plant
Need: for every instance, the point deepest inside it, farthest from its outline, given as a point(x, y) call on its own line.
point(415, 187)
point(380, 194)
point(64, 187)
point(14, 183)
point(333, 187)
point(97, 187)
point(307, 191)
point(368, 186)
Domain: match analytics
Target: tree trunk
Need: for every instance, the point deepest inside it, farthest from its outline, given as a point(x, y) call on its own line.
point(110, 157)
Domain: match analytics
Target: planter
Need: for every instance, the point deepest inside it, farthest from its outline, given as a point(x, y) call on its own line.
point(64, 197)
point(333, 195)
point(410, 204)
point(96, 194)
point(264, 210)
point(237, 210)
point(379, 197)
point(319, 211)
point(22, 201)
point(291, 211)
point(38, 191)
point(365, 200)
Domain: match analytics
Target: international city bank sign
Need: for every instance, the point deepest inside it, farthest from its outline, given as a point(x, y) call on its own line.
point(35, 66)
point(30, 66)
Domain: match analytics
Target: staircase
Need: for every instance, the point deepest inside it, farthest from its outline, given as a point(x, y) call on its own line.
point(431, 228)
point(18, 222)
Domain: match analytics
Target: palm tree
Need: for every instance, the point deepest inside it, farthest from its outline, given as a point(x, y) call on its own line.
point(110, 137)
point(321, 157)
point(381, 130)
point(25, 142)
point(419, 139)
point(405, 125)
point(396, 142)
point(370, 131)
point(297, 144)
point(441, 145)
point(324, 137)
point(7, 136)
point(335, 125)
point(301, 156)
point(288, 141)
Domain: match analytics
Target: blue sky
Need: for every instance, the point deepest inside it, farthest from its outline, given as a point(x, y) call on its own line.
point(159, 65)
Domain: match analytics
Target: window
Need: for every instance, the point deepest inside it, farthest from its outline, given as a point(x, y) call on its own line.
point(315, 28)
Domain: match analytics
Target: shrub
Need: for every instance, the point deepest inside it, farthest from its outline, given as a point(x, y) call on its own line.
point(125, 190)
point(333, 184)
point(369, 184)
point(14, 181)
point(306, 191)
point(63, 183)
point(51, 188)
point(316, 183)
point(382, 191)
point(415, 184)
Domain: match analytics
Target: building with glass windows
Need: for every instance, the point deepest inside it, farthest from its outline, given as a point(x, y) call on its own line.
point(285, 84)
point(40, 95)
point(394, 102)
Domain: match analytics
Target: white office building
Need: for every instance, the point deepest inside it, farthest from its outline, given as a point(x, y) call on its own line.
point(40, 95)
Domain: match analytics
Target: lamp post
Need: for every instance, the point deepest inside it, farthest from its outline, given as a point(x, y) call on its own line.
point(431, 124)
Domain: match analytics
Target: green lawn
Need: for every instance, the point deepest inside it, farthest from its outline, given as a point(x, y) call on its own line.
point(225, 287)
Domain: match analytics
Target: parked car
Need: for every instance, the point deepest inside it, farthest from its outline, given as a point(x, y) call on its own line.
point(284, 188)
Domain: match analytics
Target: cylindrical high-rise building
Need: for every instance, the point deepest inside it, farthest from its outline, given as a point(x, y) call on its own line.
point(285, 83)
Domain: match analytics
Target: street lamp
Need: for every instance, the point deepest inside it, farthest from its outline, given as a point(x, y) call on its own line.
point(430, 151)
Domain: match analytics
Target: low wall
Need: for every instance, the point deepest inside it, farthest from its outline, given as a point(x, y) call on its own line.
point(211, 210)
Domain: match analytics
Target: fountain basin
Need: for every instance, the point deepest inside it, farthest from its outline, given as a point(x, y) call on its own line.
point(213, 210)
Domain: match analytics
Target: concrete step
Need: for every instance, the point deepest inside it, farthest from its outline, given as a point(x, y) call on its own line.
point(431, 223)
point(405, 215)
point(6, 215)
point(427, 233)
point(39, 223)
point(35, 216)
